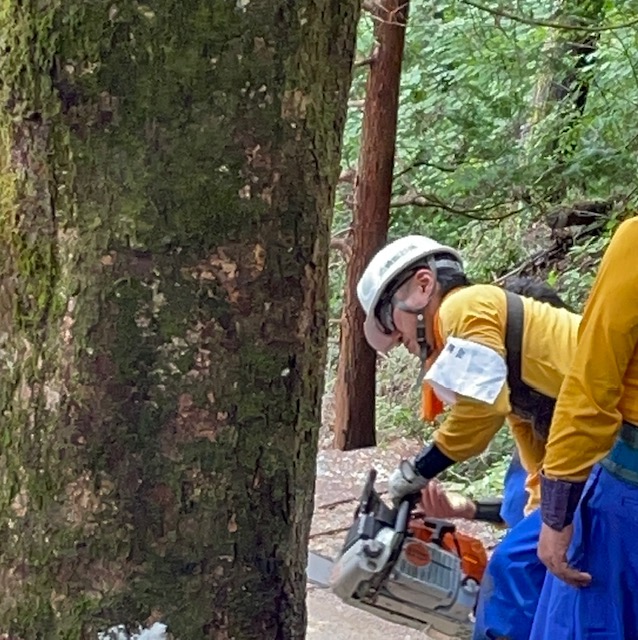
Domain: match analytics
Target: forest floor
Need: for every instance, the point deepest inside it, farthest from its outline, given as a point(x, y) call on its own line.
point(340, 478)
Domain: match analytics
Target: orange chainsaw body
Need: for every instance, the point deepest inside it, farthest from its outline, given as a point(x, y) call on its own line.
point(470, 550)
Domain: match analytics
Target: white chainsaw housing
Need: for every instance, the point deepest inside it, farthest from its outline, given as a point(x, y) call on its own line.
point(373, 573)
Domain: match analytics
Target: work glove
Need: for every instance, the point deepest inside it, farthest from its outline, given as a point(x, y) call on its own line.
point(405, 480)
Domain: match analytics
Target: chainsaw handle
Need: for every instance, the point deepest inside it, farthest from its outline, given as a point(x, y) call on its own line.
point(404, 512)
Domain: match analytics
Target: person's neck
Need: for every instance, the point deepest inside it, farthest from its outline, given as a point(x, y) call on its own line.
point(433, 306)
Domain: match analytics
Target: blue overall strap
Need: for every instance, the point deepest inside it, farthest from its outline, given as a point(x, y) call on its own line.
point(622, 460)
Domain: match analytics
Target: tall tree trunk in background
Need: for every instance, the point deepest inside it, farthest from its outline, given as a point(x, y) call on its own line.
point(565, 82)
point(167, 176)
point(355, 385)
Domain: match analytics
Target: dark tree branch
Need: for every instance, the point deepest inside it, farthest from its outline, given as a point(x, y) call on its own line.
point(343, 245)
point(432, 202)
point(424, 163)
point(394, 17)
point(539, 22)
point(364, 62)
point(579, 213)
point(557, 248)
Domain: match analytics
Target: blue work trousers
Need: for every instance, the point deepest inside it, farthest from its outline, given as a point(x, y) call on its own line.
point(514, 492)
point(605, 545)
point(512, 584)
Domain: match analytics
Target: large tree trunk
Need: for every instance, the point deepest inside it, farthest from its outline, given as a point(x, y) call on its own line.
point(167, 175)
point(355, 385)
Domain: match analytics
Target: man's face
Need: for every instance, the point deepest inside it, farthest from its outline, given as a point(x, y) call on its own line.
point(400, 314)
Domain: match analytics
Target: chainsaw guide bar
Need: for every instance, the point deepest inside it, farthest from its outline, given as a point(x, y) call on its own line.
point(319, 569)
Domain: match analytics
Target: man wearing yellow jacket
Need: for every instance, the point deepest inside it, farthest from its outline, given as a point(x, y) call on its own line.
point(491, 356)
point(435, 500)
point(593, 450)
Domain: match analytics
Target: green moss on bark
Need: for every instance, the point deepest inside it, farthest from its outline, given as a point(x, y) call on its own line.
point(167, 175)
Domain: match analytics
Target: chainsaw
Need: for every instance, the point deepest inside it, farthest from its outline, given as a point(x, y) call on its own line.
point(405, 567)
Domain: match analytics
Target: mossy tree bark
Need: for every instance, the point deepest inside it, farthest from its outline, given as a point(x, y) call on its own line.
point(166, 175)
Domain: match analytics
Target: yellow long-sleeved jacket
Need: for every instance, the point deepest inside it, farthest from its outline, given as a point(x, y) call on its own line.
point(601, 387)
point(479, 313)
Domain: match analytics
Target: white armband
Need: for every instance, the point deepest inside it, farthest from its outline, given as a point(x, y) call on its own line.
point(468, 369)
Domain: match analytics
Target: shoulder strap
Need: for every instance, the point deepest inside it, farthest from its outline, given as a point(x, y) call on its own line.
point(525, 401)
point(514, 343)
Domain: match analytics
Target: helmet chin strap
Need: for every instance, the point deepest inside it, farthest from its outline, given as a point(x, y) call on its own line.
point(424, 346)
point(421, 336)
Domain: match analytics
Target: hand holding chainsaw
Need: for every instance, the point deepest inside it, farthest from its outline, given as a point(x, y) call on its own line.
point(438, 503)
point(405, 480)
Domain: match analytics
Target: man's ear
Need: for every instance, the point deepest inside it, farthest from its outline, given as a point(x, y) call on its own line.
point(425, 280)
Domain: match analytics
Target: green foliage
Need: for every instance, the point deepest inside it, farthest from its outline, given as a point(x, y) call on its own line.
point(398, 400)
point(468, 99)
point(491, 137)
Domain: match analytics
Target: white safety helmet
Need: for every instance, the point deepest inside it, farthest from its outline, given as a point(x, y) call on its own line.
point(382, 270)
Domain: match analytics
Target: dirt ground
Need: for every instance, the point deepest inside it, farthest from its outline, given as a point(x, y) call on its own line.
point(340, 478)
